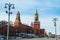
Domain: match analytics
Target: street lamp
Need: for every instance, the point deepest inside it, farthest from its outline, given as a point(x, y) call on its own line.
point(8, 12)
point(54, 20)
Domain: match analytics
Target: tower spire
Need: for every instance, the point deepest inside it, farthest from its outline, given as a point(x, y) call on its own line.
point(18, 16)
point(36, 16)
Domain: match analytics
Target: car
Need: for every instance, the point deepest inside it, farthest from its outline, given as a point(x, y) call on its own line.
point(52, 36)
point(25, 35)
point(1, 37)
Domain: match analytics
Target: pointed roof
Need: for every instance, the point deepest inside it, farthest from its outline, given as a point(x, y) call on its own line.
point(18, 16)
point(36, 12)
point(18, 13)
point(36, 16)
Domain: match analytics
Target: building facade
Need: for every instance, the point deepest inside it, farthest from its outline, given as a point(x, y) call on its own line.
point(22, 28)
point(33, 29)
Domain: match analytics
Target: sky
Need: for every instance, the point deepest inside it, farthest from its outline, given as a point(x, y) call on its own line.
point(47, 10)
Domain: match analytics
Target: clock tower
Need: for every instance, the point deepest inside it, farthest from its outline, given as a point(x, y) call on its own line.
point(36, 24)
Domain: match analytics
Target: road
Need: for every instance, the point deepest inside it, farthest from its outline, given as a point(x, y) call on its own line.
point(41, 39)
point(35, 39)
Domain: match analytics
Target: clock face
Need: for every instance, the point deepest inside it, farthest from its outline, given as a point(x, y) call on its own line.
point(36, 18)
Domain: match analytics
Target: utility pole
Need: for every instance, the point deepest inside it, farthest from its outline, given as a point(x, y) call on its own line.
point(55, 20)
point(8, 5)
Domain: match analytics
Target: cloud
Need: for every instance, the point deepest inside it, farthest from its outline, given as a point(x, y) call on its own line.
point(25, 19)
point(3, 16)
point(48, 24)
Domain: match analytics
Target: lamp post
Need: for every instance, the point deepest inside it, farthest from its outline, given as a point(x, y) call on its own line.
point(54, 20)
point(8, 5)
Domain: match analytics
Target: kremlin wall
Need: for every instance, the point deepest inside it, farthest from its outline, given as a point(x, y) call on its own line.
point(18, 27)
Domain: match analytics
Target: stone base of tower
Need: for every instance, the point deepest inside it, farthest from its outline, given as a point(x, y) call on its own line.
point(36, 27)
point(16, 23)
point(37, 32)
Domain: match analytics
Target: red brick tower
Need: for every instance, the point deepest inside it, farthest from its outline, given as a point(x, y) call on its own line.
point(17, 21)
point(36, 24)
